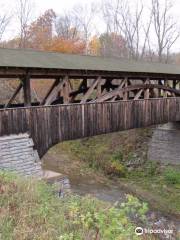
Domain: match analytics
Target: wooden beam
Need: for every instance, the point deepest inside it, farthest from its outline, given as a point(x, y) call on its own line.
point(146, 92)
point(81, 89)
point(52, 96)
point(138, 94)
point(112, 97)
point(55, 83)
point(174, 84)
point(66, 92)
point(76, 92)
point(166, 85)
point(113, 93)
point(119, 88)
point(83, 83)
point(36, 94)
point(125, 94)
point(160, 90)
point(90, 90)
point(99, 89)
point(35, 73)
point(27, 90)
point(156, 93)
point(108, 84)
point(177, 82)
point(14, 95)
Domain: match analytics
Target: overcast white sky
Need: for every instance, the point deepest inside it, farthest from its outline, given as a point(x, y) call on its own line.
point(40, 6)
point(59, 6)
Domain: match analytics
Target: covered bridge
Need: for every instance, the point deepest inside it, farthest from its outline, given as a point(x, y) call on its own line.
point(88, 95)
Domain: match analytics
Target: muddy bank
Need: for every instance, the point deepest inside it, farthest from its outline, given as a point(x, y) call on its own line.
point(86, 181)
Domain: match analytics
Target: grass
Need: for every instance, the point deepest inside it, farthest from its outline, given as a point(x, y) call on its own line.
point(172, 176)
point(100, 152)
point(30, 210)
point(155, 189)
point(111, 153)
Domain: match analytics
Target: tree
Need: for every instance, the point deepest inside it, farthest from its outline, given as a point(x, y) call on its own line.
point(166, 28)
point(121, 21)
point(84, 15)
point(67, 27)
point(112, 44)
point(67, 46)
point(4, 21)
point(152, 38)
point(69, 37)
point(94, 46)
point(24, 14)
point(40, 32)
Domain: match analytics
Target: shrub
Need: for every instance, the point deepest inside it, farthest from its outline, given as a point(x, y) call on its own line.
point(134, 209)
point(116, 169)
point(29, 210)
point(172, 176)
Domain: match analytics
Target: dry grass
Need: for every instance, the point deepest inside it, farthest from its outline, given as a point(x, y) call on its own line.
point(29, 210)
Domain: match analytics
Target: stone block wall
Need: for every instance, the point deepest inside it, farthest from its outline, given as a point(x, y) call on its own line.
point(17, 154)
point(164, 146)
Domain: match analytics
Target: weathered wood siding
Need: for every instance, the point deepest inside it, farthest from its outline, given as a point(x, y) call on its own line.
point(49, 125)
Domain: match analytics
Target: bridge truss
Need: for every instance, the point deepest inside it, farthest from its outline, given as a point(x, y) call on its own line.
point(68, 89)
point(82, 79)
point(87, 96)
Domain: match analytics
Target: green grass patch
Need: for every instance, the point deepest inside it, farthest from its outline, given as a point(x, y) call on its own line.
point(172, 176)
point(110, 155)
point(161, 187)
point(29, 209)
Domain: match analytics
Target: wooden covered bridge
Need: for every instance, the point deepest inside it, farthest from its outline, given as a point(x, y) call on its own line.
point(88, 95)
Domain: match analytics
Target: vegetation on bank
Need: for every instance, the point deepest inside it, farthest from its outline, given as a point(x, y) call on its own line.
point(108, 153)
point(30, 209)
point(124, 155)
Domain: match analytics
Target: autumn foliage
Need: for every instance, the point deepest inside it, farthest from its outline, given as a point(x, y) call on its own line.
point(66, 45)
point(40, 32)
point(51, 33)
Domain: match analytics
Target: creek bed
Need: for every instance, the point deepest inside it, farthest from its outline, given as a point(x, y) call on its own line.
point(110, 191)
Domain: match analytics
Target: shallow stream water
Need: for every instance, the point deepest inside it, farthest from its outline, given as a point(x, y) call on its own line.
point(110, 191)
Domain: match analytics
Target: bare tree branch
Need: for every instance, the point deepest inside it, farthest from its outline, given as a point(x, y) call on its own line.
point(130, 25)
point(166, 29)
point(84, 15)
point(24, 12)
point(4, 21)
point(67, 26)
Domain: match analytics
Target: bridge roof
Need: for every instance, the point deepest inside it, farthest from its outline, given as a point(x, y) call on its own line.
point(16, 58)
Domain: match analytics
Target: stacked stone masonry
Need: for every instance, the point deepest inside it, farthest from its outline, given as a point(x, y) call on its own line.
point(17, 154)
point(164, 146)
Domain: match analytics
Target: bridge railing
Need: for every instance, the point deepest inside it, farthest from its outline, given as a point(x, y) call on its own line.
point(49, 125)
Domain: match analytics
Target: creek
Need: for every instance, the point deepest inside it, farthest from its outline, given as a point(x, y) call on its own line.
point(86, 182)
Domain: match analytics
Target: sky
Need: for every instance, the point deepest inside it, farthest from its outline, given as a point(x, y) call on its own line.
point(61, 6)
point(40, 6)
